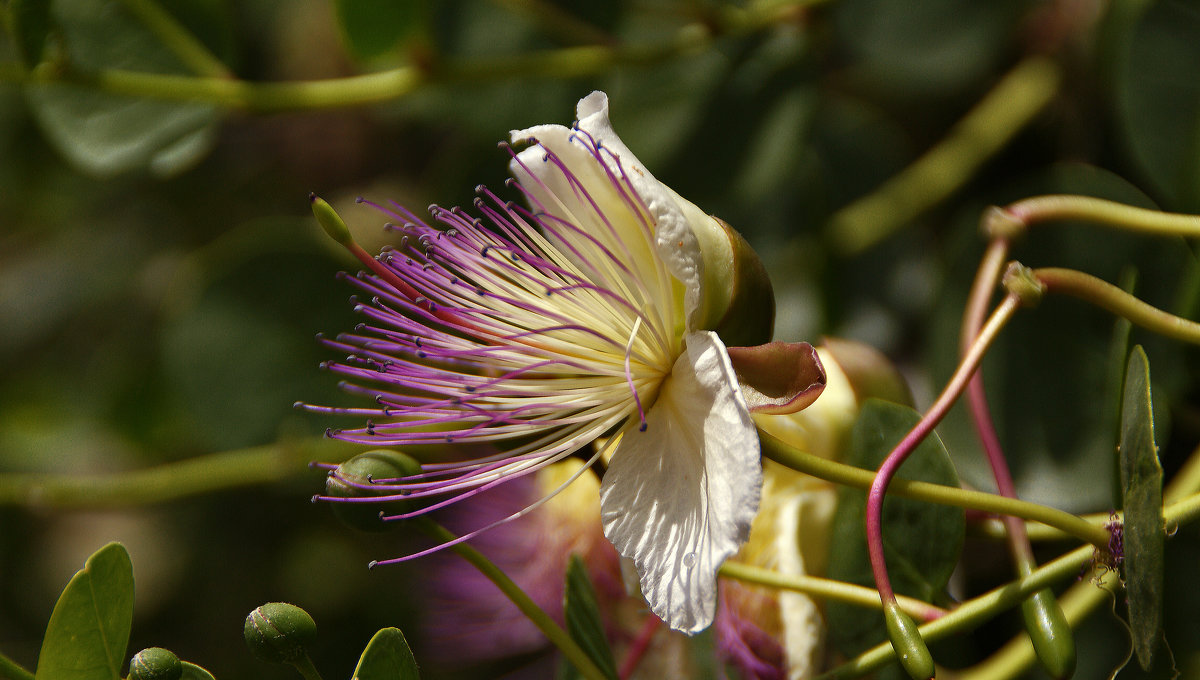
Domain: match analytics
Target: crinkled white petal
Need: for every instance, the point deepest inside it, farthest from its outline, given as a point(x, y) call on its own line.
point(679, 498)
point(675, 241)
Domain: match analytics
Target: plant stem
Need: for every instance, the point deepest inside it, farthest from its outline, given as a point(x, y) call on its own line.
point(828, 589)
point(553, 632)
point(1110, 297)
point(1007, 108)
point(848, 475)
point(170, 481)
point(1030, 211)
point(932, 417)
point(178, 39)
point(304, 666)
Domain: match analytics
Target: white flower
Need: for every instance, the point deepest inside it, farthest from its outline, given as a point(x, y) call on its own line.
point(581, 319)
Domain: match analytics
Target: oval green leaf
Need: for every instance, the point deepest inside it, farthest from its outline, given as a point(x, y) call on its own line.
point(89, 628)
point(387, 657)
point(1141, 488)
point(922, 541)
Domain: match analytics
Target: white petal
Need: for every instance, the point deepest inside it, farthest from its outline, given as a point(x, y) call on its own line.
point(676, 220)
point(679, 498)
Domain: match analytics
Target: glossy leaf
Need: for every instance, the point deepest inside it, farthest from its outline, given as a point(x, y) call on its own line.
point(106, 134)
point(30, 27)
point(922, 541)
point(1141, 486)
point(387, 657)
point(89, 629)
point(374, 27)
point(583, 618)
point(193, 672)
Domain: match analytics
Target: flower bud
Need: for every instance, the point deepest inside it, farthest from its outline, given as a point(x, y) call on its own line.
point(278, 632)
point(736, 298)
point(870, 373)
point(907, 641)
point(155, 663)
point(364, 469)
point(1050, 633)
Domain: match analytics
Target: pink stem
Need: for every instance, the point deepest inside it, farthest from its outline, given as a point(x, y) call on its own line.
point(641, 644)
point(932, 417)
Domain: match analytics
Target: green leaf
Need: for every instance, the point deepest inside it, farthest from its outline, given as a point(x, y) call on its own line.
point(583, 618)
point(922, 541)
point(89, 629)
point(1141, 485)
point(30, 25)
point(105, 134)
point(1159, 103)
point(374, 27)
point(193, 672)
point(387, 657)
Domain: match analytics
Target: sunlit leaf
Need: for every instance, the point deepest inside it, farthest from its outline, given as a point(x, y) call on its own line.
point(89, 629)
point(922, 541)
point(106, 134)
point(583, 618)
point(1141, 486)
point(374, 27)
point(387, 657)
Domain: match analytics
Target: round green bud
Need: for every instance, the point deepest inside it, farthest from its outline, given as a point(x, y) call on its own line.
point(379, 464)
point(909, 645)
point(155, 663)
point(278, 632)
point(1050, 633)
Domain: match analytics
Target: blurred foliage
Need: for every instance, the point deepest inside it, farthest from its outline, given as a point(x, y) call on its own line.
point(161, 279)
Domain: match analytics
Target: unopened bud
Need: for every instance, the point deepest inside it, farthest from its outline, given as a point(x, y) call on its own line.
point(155, 663)
point(278, 632)
point(353, 479)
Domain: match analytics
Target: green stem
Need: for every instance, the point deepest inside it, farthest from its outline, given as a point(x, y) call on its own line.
point(11, 670)
point(568, 62)
point(1110, 297)
point(305, 667)
point(1025, 213)
point(553, 632)
point(168, 482)
point(828, 589)
point(178, 39)
point(1080, 600)
point(848, 475)
point(995, 120)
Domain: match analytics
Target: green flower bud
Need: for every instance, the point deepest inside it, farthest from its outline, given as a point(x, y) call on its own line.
point(869, 371)
point(1050, 633)
point(737, 300)
point(379, 464)
point(278, 632)
point(155, 663)
point(909, 645)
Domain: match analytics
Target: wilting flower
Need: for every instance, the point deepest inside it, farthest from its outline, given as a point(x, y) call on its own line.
point(586, 317)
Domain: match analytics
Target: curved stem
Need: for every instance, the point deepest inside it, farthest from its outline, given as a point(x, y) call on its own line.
point(1030, 211)
point(848, 475)
point(553, 632)
point(932, 417)
point(170, 481)
point(1110, 297)
point(827, 589)
point(996, 119)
